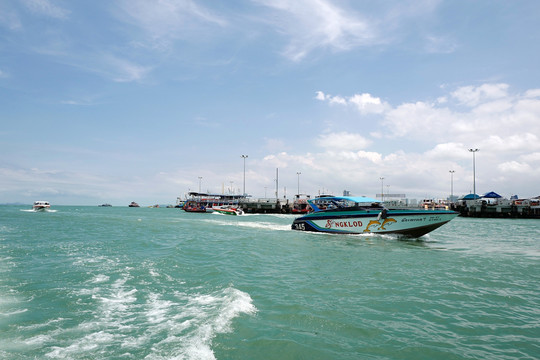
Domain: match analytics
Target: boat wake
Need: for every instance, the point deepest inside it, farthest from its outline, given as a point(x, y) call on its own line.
point(146, 324)
point(38, 211)
point(251, 225)
point(265, 226)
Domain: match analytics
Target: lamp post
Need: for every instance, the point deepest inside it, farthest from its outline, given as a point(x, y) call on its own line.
point(382, 189)
point(244, 157)
point(200, 178)
point(452, 185)
point(474, 170)
point(298, 173)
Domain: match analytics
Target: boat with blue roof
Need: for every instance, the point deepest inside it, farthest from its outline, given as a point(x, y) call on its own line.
point(364, 215)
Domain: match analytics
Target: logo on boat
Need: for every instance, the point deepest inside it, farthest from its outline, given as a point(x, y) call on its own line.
point(342, 224)
point(332, 224)
point(381, 225)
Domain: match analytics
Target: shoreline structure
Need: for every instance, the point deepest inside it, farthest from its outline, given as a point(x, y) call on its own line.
point(480, 207)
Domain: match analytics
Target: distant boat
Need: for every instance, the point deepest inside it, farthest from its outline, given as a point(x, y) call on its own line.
point(133, 204)
point(228, 210)
point(41, 205)
point(300, 204)
point(193, 206)
point(204, 202)
point(105, 205)
point(362, 215)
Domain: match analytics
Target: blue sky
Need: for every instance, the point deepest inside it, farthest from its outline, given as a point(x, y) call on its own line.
point(132, 100)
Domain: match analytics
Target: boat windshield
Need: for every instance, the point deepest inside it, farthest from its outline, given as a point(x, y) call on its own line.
point(341, 203)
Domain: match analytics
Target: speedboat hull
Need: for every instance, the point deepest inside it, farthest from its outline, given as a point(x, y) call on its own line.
point(41, 208)
point(410, 223)
point(228, 210)
point(41, 205)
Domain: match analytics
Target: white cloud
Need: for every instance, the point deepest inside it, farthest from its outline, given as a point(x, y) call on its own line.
point(474, 95)
point(124, 70)
point(419, 120)
point(46, 8)
point(372, 156)
point(531, 158)
point(9, 18)
point(533, 93)
point(169, 20)
point(313, 24)
point(514, 143)
point(275, 144)
point(515, 167)
point(448, 151)
point(505, 126)
point(320, 96)
point(365, 103)
point(343, 140)
point(440, 45)
point(494, 117)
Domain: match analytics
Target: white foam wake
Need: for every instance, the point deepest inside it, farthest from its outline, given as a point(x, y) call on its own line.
point(200, 320)
point(177, 325)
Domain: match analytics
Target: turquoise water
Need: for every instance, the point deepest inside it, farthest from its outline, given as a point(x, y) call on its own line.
point(142, 283)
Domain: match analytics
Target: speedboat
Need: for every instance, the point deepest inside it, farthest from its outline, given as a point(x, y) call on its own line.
point(133, 204)
point(228, 210)
point(41, 205)
point(363, 215)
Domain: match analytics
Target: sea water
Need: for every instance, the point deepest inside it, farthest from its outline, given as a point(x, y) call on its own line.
point(159, 283)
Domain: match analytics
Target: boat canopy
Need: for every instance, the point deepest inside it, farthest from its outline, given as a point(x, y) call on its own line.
point(336, 199)
point(492, 195)
point(194, 194)
point(470, 197)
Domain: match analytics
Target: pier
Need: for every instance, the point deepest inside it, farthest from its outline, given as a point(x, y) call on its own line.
point(479, 208)
point(502, 209)
point(265, 206)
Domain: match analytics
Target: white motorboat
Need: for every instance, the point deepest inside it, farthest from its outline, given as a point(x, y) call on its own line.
point(41, 205)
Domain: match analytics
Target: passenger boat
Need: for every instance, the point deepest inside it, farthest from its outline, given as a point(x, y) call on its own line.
point(228, 210)
point(204, 202)
point(300, 204)
point(363, 215)
point(41, 205)
point(133, 204)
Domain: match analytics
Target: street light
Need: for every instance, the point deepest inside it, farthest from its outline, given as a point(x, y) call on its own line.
point(382, 189)
point(200, 178)
point(474, 170)
point(451, 185)
point(298, 173)
point(244, 157)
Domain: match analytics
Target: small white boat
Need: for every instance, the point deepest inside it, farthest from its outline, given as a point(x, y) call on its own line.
point(41, 205)
point(228, 210)
point(362, 215)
